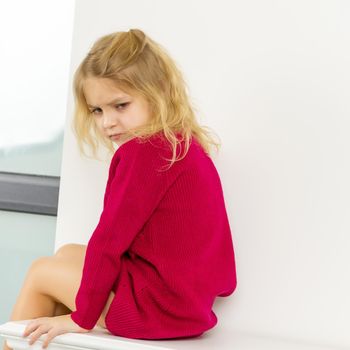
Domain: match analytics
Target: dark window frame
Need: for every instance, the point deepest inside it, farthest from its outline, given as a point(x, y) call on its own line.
point(29, 193)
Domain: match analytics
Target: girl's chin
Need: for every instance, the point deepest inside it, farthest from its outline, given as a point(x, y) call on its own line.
point(120, 141)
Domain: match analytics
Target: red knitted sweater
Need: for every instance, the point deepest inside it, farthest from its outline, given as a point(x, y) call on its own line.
point(163, 244)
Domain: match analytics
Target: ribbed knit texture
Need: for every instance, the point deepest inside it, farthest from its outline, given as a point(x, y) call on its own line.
point(163, 244)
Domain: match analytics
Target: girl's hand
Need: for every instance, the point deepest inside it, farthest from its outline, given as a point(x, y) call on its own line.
point(53, 326)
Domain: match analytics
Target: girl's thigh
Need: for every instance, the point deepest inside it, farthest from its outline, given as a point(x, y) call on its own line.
point(59, 276)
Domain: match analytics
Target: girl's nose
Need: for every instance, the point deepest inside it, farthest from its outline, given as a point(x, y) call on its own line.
point(109, 120)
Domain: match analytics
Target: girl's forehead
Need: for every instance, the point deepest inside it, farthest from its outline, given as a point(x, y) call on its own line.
point(102, 92)
point(105, 83)
point(94, 85)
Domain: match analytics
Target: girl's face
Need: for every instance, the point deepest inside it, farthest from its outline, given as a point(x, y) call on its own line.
point(113, 110)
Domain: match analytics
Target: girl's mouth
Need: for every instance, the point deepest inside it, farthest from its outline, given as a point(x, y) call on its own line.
point(116, 136)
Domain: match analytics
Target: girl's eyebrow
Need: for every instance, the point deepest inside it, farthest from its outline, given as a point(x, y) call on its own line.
point(112, 102)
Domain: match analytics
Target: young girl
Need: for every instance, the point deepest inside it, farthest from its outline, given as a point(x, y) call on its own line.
point(162, 250)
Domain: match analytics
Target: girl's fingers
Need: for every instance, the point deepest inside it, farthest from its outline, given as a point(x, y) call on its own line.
point(35, 335)
point(31, 326)
point(50, 335)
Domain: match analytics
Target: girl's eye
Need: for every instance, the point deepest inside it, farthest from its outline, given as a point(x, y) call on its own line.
point(94, 111)
point(122, 105)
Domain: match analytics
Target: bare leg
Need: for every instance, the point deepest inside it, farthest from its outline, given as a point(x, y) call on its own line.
point(61, 309)
point(30, 302)
point(50, 286)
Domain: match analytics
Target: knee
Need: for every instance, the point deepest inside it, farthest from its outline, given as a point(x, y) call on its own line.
point(39, 262)
point(66, 249)
point(39, 267)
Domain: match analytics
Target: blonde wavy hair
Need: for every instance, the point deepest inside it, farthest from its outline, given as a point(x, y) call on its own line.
point(139, 65)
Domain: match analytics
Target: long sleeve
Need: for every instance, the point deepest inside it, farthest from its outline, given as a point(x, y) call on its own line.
point(135, 186)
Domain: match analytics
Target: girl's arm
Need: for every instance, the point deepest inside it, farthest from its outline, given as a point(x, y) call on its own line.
point(134, 192)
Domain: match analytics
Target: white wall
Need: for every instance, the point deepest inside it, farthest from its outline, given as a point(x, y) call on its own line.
point(272, 79)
